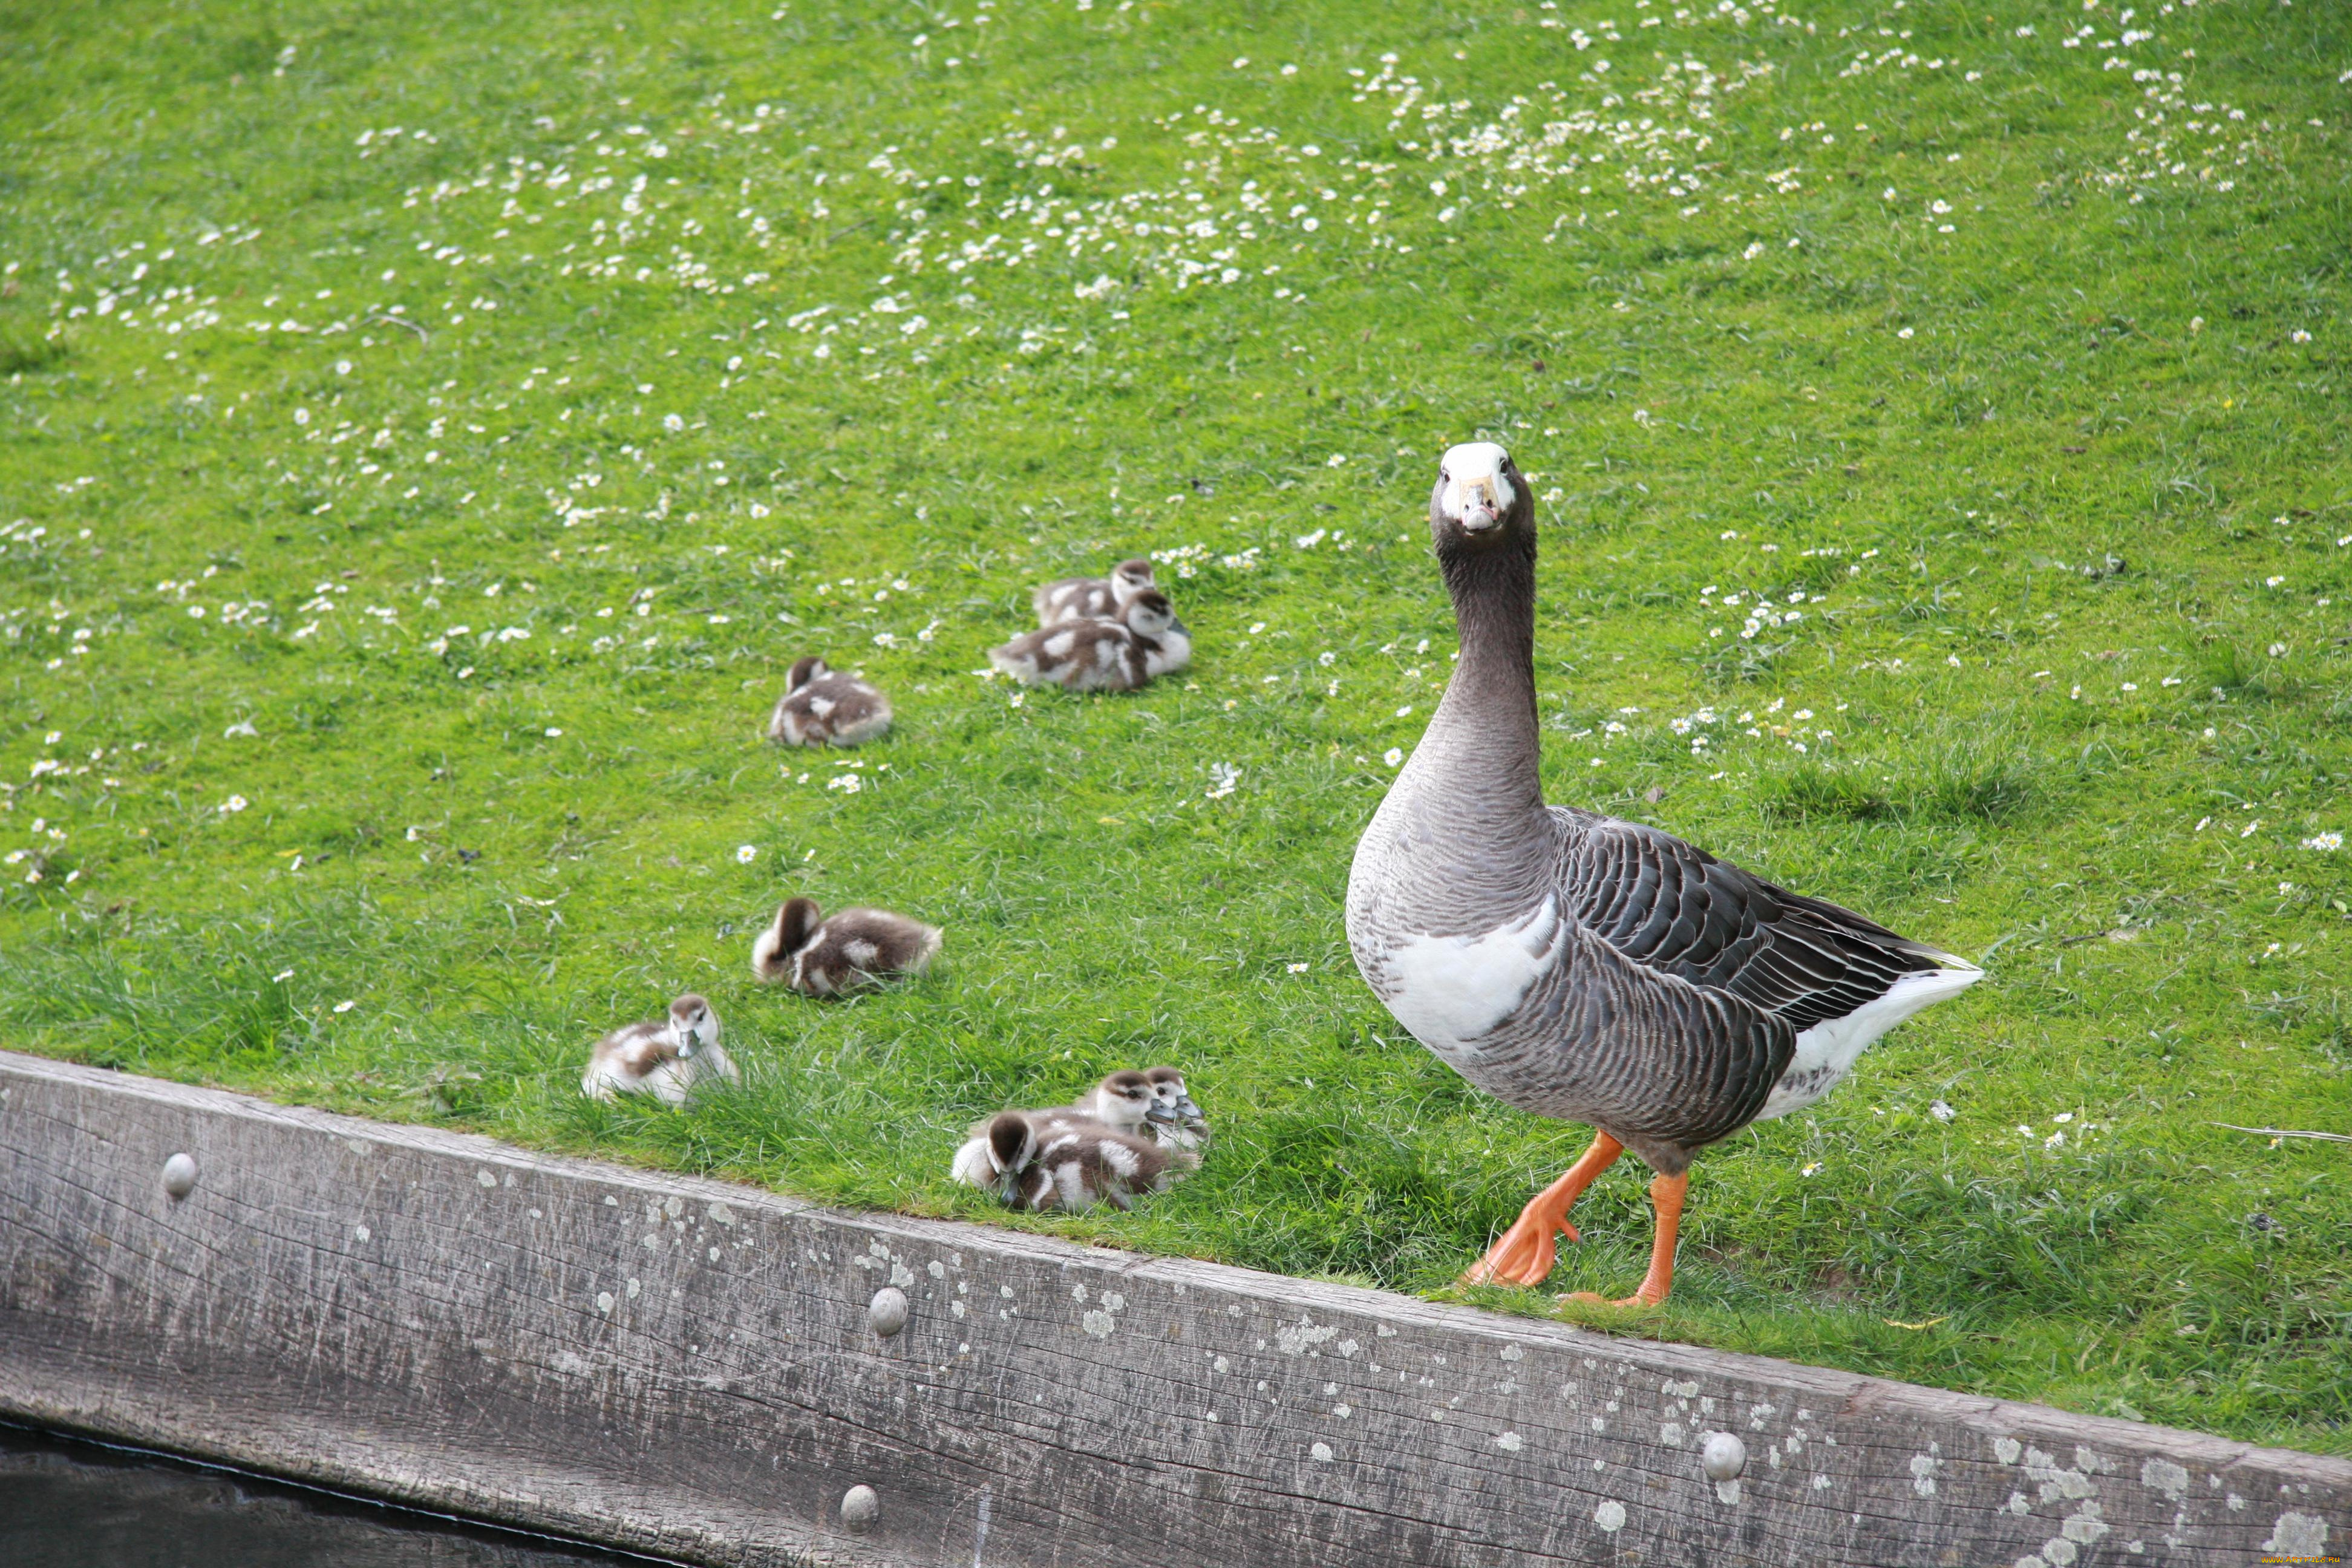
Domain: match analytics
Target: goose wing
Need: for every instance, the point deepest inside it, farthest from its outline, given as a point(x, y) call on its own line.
point(1674, 909)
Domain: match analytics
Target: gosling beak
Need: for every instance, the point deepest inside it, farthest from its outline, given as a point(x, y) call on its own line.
point(1188, 1111)
point(1481, 509)
point(1164, 1116)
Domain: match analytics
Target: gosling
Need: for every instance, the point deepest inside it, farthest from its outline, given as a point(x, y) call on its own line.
point(1145, 642)
point(823, 707)
point(664, 1058)
point(1070, 1165)
point(1177, 1121)
point(855, 948)
point(1122, 1102)
point(1091, 598)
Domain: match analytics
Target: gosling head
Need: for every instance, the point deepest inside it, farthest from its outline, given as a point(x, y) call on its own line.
point(693, 1024)
point(1123, 1100)
point(1168, 1097)
point(804, 670)
point(1128, 579)
point(1481, 502)
point(1149, 613)
point(1011, 1150)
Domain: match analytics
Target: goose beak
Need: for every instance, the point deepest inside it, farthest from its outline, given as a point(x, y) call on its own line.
point(1481, 507)
point(1164, 1116)
point(1188, 1111)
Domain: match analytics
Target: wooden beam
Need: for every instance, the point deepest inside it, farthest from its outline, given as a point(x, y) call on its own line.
point(691, 1368)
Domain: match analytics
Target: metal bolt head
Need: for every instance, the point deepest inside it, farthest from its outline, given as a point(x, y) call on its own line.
point(179, 1177)
point(886, 1313)
point(859, 1508)
point(1724, 1457)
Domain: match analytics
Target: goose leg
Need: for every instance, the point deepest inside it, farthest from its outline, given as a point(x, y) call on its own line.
point(1666, 1195)
point(1524, 1253)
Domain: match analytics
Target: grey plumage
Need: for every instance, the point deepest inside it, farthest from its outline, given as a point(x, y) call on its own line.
point(854, 948)
point(1091, 598)
point(1579, 966)
point(825, 707)
point(1144, 642)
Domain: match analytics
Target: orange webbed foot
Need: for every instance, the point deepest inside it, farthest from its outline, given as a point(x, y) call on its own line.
point(1524, 1253)
point(1666, 1194)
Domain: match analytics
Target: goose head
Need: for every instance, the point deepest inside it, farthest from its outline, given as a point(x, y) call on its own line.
point(1011, 1150)
point(1123, 1100)
point(1128, 579)
point(693, 1024)
point(804, 670)
point(1148, 614)
point(1481, 500)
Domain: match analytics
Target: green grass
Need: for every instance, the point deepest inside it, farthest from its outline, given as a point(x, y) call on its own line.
point(2064, 490)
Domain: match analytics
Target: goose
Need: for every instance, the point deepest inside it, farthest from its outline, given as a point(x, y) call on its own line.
point(1582, 967)
point(855, 947)
point(823, 706)
point(1071, 1165)
point(1091, 598)
point(664, 1058)
point(1180, 1124)
point(1145, 641)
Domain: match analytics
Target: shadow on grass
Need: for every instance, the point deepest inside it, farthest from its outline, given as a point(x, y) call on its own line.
point(1965, 780)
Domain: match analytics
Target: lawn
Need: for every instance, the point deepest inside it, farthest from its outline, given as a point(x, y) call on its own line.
point(428, 434)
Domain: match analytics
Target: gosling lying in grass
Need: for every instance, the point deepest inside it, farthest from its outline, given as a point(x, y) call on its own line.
point(1145, 642)
point(1067, 1165)
point(825, 707)
point(855, 948)
point(1091, 598)
point(664, 1058)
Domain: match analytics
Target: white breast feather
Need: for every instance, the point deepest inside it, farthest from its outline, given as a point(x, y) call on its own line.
point(1826, 1050)
point(1448, 991)
point(971, 1167)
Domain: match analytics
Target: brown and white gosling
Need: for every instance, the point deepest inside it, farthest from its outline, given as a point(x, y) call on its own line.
point(1091, 598)
point(664, 1058)
point(1145, 642)
point(1122, 1102)
point(823, 706)
point(857, 947)
point(1176, 1121)
point(1069, 1165)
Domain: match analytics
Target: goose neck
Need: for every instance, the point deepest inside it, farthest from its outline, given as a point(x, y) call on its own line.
point(1485, 725)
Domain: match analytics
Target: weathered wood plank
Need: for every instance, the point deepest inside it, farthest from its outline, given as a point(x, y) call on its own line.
point(687, 1367)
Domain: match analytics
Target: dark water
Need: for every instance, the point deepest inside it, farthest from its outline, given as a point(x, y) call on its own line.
point(69, 1504)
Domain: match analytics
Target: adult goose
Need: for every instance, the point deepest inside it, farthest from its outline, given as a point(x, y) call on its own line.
point(1582, 967)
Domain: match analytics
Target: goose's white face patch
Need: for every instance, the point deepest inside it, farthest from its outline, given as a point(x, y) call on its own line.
point(1826, 1050)
point(1450, 991)
point(1475, 481)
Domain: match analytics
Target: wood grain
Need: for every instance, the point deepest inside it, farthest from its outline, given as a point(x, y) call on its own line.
point(685, 1367)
